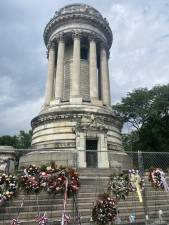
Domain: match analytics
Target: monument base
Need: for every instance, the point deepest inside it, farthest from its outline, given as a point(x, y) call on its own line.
point(79, 135)
point(115, 161)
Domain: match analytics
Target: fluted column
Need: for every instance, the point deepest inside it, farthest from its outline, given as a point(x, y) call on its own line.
point(104, 76)
point(93, 69)
point(75, 78)
point(60, 69)
point(50, 76)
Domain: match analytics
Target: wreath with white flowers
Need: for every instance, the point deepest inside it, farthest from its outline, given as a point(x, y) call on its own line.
point(118, 186)
point(135, 178)
point(8, 187)
point(104, 210)
point(136, 183)
point(157, 179)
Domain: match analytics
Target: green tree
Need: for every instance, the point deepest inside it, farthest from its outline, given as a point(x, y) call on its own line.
point(148, 113)
point(24, 139)
point(9, 140)
point(20, 141)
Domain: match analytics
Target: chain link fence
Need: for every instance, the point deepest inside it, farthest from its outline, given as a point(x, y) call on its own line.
point(155, 205)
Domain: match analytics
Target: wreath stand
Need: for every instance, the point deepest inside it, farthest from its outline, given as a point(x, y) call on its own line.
point(76, 215)
point(40, 219)
point(15, 221)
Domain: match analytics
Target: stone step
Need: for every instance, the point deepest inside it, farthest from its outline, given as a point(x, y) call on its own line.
point(93, 194)
point(86, 220)
point(83, 198)
point(51, 214)
point(81, 205)
point(85, 211)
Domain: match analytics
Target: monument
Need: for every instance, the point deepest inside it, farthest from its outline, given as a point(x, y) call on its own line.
point(77, 118)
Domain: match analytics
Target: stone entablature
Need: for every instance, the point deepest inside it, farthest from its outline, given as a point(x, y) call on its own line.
point(74, 115)
point(81, 14)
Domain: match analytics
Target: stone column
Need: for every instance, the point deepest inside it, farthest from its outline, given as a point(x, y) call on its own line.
point(81, 150)
point(50, 76)
point(93, 69)
point(103, 161)
point(75, 78)
point(104, 76)
point(59, 69)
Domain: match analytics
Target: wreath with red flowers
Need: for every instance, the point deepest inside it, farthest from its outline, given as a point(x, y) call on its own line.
point(157, 178)
point(8, 187)
point(49, 178)
point(54, 181)
point(105, 210)
point(30, 181)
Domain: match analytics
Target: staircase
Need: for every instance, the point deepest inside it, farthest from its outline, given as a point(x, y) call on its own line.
point(93, 182)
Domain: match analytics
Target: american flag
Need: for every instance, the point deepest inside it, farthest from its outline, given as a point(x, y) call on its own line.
point(41, 219)
point(15, 221)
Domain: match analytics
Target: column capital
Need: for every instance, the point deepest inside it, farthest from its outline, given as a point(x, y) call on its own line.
point(51, 46)
point(76, 34)
point(93, 37)
point(60, 37)
point(103, 46)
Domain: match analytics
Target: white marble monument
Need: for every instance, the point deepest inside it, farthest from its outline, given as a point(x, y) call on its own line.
point(77, 114)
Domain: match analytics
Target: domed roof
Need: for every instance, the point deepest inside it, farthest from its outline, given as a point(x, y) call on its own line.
point(78, 8)
point(80, 13)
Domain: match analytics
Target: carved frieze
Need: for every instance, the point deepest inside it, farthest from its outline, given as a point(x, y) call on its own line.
point(104, 119)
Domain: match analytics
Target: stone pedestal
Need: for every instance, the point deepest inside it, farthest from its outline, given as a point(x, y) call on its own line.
point(7, 159)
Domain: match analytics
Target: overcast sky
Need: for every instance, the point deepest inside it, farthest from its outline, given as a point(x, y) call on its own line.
point(139, 55)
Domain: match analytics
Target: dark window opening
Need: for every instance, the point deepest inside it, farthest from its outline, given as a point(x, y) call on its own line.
point(91, 153)
point(84, 53)
point(91, 144)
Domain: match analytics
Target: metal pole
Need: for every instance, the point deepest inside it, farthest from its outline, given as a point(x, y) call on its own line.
point(141, 169)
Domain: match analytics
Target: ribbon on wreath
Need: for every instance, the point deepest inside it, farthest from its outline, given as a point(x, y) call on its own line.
point(65, 217)
point(41, 219)
point(132, 218)
point(135, 180)
point(16, 221)
point(164, 182)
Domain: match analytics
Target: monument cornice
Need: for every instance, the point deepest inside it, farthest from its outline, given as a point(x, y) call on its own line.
point(74, 115)
point(59, 21)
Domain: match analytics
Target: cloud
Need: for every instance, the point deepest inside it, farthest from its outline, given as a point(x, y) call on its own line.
point(18, 117)
point(140, 50)
point(139, 54)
